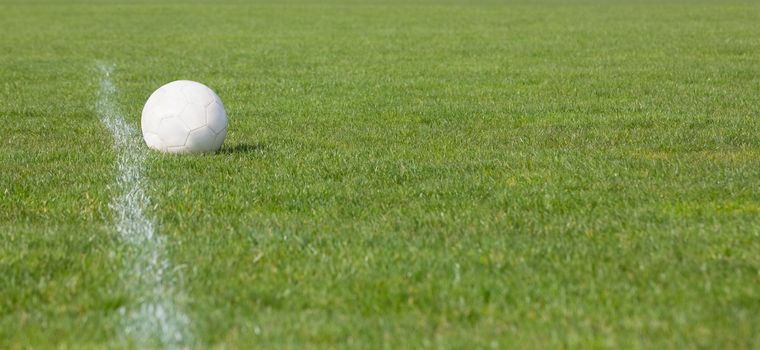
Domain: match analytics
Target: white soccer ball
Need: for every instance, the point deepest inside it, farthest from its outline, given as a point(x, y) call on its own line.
point(184, 117)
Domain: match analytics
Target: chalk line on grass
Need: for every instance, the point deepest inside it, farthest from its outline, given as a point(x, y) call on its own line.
point(148, 273)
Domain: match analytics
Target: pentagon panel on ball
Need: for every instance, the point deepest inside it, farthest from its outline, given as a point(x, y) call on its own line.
point(184, 117)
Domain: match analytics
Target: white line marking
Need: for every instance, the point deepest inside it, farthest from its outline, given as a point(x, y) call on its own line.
point(157, 318)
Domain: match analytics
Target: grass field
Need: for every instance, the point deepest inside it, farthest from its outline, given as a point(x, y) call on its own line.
point(454, 174)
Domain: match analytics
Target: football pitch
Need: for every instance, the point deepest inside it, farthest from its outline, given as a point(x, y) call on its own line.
point(424, 174)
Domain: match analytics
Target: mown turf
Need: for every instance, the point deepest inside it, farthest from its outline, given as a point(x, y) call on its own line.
point(407, 175)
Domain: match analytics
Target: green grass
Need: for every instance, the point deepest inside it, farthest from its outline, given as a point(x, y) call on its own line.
point(458, 174)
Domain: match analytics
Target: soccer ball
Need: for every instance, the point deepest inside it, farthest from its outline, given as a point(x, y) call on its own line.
point(184, 117)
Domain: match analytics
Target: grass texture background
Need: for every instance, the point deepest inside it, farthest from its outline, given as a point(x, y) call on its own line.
point(450, 174)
